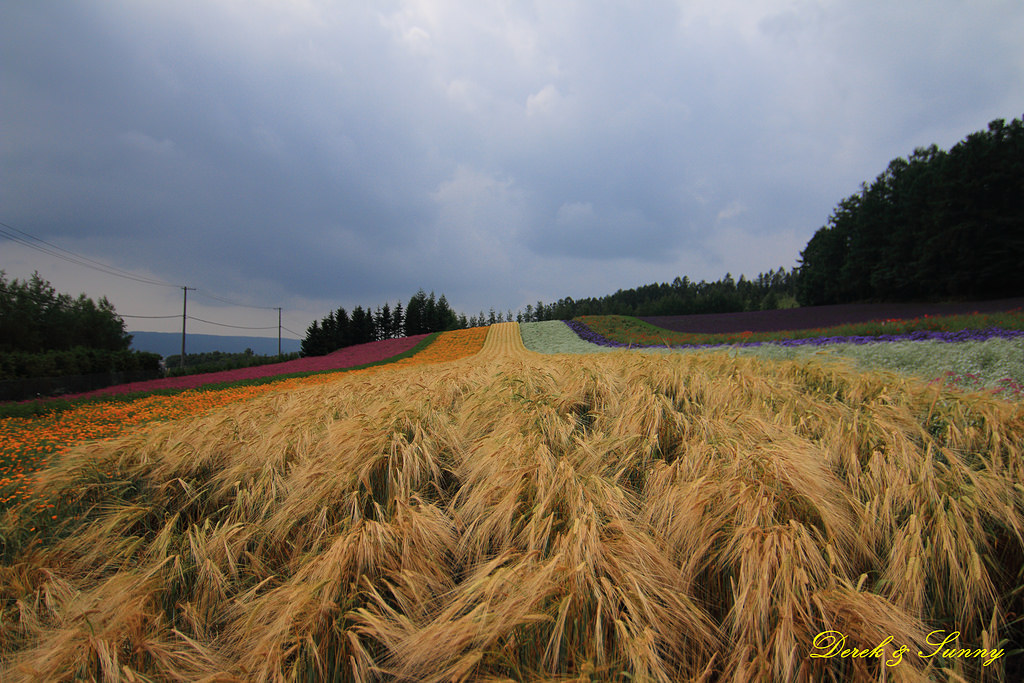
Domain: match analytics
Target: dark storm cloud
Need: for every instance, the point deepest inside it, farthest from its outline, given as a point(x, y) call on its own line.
point(318, 154)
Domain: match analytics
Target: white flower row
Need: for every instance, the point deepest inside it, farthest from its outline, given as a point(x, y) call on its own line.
point(983, 365)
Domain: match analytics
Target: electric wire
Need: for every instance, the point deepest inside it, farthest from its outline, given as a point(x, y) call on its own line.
point(72, 257)
point(152, 317)
point(78, 259)
point(233, 303)
point(239, 327)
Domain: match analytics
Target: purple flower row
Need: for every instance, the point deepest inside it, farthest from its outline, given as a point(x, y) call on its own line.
point(586, 334)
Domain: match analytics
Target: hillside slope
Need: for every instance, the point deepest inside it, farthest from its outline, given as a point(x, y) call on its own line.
point(820, 316)
point(347, 357)
point(169, 343)
point(511, 515)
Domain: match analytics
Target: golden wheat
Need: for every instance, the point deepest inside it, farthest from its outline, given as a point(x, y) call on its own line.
point(513, 516)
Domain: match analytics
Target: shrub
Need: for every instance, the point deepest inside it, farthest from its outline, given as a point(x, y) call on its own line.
point(76, 361)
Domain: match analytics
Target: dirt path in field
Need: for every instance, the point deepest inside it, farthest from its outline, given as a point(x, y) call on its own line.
point(504, 341)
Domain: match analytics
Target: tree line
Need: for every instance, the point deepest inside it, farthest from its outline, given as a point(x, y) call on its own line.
point(768, 291)
point(936, 225)
point(427, 313)
point(46, 334)
point(35, 318)
point(422, 315)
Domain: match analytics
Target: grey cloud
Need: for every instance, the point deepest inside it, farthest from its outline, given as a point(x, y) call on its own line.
point(350, 153)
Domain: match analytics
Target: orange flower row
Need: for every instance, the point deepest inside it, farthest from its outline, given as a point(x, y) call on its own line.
point(27, 443)
point(448, 346)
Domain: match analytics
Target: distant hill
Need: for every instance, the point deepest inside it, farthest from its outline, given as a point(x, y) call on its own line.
point(169, 343)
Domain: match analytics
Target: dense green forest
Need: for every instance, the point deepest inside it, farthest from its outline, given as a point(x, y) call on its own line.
point(935, 226)
point(34, 318)
point(771, 290)
point(46, 334)
point(79, 360)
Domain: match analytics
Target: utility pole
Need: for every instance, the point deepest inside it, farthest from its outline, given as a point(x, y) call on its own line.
point(184, 307)
point(278, 331)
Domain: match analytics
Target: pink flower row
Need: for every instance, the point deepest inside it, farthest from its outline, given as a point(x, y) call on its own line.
point(347, 357)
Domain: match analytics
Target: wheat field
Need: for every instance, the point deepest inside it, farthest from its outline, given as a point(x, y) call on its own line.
point(516, 516)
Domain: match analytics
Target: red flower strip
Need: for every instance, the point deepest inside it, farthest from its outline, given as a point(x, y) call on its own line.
point(347, 357)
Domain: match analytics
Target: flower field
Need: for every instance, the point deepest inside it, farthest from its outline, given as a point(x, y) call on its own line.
point(810, 317)
point(975, 352)
point(994, 366)
point(554, 336)
point(449, 346)
point(27, 444)
point(504, 505)
point(623, 331)
point(348, 357)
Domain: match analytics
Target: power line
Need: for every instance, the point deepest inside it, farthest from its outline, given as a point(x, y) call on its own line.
point(234, 303)
point(78, 259)
point(239, 327)
point(67, 298)
point(72, 257)
point(152, 317)
point(208, 322)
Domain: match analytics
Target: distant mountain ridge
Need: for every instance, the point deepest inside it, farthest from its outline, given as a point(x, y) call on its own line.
point(169, 343)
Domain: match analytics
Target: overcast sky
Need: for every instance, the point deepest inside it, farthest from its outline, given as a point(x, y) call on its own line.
point(312, 155)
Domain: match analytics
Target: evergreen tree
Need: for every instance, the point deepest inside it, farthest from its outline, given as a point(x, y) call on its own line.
point(342, 336)
point(936, 225)
point(34, 318)
point(446, 318)
point(430, 315)
point(362, 326)
point(398, 321)
point(312, 342)
point(328, 333)
point(415, 314)
point(382, 318)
